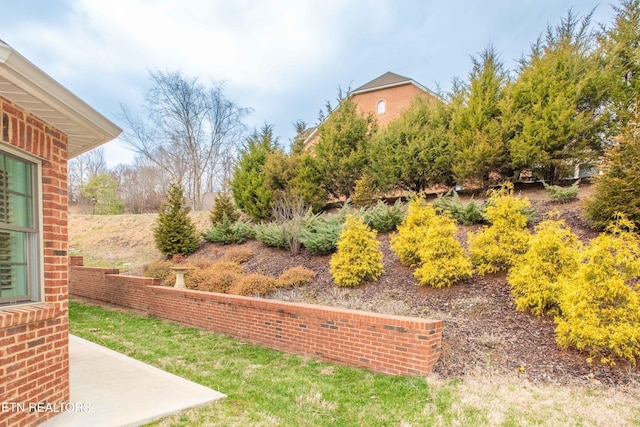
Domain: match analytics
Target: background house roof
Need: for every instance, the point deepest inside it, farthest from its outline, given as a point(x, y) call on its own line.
point(26, 85)
point(388, 80)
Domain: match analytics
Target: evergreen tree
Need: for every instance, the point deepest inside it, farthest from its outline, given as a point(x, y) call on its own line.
point(553, 109)
point(617, 190)
point(247, 184)
point(340, 154)
point(294, 176)
point(102, 191)
point(223, 206)
point(620, 47)
point(412, 152)
point(174, 232)
point(479, 143)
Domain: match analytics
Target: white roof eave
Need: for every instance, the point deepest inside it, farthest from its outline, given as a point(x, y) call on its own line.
point(35, 91)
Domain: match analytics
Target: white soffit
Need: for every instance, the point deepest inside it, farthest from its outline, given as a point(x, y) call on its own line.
point(26, 85)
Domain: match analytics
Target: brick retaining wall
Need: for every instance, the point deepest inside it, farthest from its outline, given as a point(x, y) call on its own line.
point(382, 343)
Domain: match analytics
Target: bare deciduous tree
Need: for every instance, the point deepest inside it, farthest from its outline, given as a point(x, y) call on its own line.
point(189, 130)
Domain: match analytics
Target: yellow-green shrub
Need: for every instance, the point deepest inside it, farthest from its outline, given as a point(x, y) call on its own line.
point(554, 251)
point(600, 305)
point(358, 258)
point(443, 260)
point(411, 233)
point(499, 246)
point(217, 277)
point(253, 284)
point(295, 276)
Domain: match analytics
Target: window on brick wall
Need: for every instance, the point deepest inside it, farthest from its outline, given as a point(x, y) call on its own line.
point(381, 107)
point(19, 260)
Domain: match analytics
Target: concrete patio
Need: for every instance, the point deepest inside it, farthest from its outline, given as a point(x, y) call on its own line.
point(110, 389)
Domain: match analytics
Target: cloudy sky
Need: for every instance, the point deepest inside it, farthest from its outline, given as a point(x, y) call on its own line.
point(282, 58)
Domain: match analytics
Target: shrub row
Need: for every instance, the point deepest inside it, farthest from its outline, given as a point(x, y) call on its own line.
point(227, 276)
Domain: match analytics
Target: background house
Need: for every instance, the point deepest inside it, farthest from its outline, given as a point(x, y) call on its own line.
point(43, 126)
point(386, 97)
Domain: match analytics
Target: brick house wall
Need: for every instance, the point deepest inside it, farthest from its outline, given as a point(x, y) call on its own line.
point(397, 99)
point(34, 353)
point(395, 345)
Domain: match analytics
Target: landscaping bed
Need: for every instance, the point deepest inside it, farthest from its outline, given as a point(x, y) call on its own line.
point(483, 334)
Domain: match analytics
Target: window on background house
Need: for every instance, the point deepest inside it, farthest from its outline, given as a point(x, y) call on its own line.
point(19, 263)
point(382, 107)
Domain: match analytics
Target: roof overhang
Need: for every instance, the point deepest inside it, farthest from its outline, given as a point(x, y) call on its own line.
point(26, 85)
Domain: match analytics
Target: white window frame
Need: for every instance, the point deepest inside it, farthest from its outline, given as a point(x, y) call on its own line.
point(381, 107)
point(35, 247)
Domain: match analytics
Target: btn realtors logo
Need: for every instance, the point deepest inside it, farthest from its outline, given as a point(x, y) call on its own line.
point(7, 407)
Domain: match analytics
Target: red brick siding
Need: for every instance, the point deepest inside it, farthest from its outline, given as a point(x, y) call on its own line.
point(34, 355)
point(389, 344)
point(397, 99)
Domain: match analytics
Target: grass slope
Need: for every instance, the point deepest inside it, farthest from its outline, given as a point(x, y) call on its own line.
point(119, 241)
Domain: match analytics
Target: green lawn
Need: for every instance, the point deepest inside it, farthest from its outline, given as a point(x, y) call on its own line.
point(271, 388)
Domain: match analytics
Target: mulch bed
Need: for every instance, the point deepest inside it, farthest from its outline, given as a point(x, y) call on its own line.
point(483, 334)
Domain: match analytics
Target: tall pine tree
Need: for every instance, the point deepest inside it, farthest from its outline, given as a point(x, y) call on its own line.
point(478, 141)
point(412, 153)
point(248, 186)
point(340, 154)
point(554, 108)
point(620, 47)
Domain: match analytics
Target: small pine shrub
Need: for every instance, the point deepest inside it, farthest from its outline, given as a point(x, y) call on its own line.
point(358, 258)
point(217, 277)
point(228, 232)
point(385, 218)
point(554, 252)
point(562, 194)
point(161, 270)
point(499, 246)
point(237, 254)
point(465, 213)
point(320, 233)
point(443, 260)
point(271, 234)
point(223, 205)
point(174, 232)
point(365, 192)
point(411, 233)
point(253, 284)
point(600, 304)
point(295, 276)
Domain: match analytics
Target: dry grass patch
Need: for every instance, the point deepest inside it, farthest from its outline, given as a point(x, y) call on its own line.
point(514, 401)
point(119, 241)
